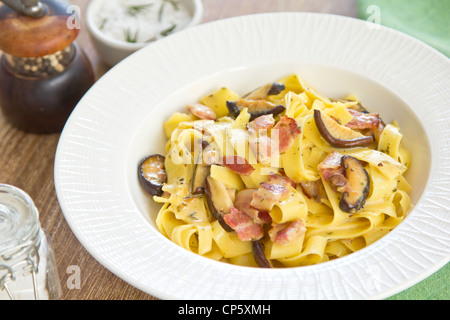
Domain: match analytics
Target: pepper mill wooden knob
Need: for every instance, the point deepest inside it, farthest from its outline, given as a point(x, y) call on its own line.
point(43, 72)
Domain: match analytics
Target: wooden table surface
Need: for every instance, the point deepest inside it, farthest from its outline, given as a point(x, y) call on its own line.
point(27, 161)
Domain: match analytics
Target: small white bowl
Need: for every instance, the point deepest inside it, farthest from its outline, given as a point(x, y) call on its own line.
point(111, 50)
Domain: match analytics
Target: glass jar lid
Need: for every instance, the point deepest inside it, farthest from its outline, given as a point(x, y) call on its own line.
point(19, 218)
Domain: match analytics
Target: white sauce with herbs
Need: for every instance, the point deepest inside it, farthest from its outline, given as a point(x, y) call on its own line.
point(142, 20)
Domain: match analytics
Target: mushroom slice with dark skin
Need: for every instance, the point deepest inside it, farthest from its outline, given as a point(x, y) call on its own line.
point(256, 108)
point(152, 174)
point(358, 185)
point(339, 136)
point(198, 181)
point(258, 254)
point(201, 171)
point(218, 200)
point(265, 91)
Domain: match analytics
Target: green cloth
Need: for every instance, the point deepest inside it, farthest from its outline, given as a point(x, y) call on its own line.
point(428, 21)
point(435, 287)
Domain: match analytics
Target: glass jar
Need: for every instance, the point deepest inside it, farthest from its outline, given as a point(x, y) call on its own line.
point(27, 261)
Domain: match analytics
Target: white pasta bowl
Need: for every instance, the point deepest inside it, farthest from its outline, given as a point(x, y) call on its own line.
point(119, 121)
point(112, 50)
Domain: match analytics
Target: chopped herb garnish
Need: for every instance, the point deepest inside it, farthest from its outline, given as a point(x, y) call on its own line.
point(163, 33)
point(134, 10)
point(102, 25)
point(169, 30)
point(163, 4)
point(193, 216)
point(129, 37)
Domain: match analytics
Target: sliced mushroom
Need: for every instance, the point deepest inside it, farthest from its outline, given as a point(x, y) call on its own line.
point(339, 136)
point(201, 170)
point(256, 108)
point(219, 202)
point(152, 174)
point(376, 130)
point(264, 92)
point(258, 254)
point(358, 185)
point(198, 181)
point(276, 88)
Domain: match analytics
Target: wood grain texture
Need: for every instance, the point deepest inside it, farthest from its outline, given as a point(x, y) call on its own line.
point(27, 160)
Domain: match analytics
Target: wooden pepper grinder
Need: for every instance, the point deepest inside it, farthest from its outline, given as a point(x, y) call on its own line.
point(43, 73)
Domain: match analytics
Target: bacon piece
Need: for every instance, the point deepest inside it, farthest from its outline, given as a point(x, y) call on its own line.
point(265, 122)
point(262, 148)
point(287, 233)
point(368, 123)
point(331, 165)
point(264, 199)
point(362, 120)
point(201, 111)
point(270, 192)
point(333, 172)
point(260, 142)
point(313, 190)
point(243, 200)
point(282, 180)
point(246, 229)
point(339, 182)
point(264, 217)
point(242, 203)
point(238, 164)
point(288, 130)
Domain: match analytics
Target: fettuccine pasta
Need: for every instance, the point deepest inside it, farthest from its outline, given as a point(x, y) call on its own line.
point(280, 177)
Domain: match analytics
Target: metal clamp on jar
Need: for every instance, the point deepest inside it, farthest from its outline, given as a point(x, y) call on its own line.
point(43, 72)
